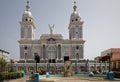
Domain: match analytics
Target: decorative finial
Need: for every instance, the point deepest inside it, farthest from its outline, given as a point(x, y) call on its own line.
point(74, 7)
point(74, 2)
point(27, 2)
point(27, 6)
point(51, 27)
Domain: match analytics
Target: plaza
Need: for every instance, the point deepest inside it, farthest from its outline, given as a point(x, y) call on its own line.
point(65, 79)
point(49, 53)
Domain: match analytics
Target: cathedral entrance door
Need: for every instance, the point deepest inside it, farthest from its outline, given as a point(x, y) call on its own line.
point(66, 58)
point(52, 61)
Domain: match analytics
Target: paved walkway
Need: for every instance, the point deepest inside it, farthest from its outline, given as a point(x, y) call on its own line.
point(73, 79)
point(64, 79)
point(18, 80)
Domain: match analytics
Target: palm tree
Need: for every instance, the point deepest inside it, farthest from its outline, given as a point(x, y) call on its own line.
point(3, 64)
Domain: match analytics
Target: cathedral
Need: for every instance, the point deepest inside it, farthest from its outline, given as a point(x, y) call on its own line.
point(51, 50)
point(51, 47)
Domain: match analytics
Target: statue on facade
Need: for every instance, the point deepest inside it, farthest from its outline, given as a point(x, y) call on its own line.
point(68, 71)
point(51, 27)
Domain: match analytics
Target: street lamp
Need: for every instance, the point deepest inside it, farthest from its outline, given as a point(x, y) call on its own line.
point(109, 59)
point(37, 60)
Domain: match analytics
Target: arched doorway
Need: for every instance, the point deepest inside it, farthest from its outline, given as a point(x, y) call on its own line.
point(51, 52)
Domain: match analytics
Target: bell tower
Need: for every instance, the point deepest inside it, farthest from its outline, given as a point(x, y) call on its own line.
point(75, 25)
point(27, 24)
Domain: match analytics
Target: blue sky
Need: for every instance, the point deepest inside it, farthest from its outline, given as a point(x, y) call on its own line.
point(101, 26)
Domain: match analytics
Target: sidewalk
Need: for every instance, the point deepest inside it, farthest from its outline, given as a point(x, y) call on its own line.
point(18, 80)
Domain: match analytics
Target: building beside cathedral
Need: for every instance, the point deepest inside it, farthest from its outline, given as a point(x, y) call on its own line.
point(5, 55)
point(52, 50)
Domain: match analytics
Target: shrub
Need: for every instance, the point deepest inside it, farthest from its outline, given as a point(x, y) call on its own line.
point(41, 71)
point(9, 75)
point(116, 74)
point(95, 72)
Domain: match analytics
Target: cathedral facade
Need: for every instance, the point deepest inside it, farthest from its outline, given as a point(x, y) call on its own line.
point(52, 48)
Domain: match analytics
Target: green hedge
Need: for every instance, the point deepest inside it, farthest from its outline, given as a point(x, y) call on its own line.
point(9, 75)
point(116, 74)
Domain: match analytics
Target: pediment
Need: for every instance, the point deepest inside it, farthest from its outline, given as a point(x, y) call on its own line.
point(51, 39)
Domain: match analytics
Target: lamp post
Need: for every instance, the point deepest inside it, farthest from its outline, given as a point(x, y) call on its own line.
point(109, 59)
point(36, 60)
point(36, 66)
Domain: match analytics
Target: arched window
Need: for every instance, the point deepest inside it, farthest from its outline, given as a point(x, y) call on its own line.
point(30, 20)
point(59, 51)
point(76, 19)
point(25, 55)
point(77, 55)
point(44, 52)
point(25, 47)
point(26, 19)
point(77, 47)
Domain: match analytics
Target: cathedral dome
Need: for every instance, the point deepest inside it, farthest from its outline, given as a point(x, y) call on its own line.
point(27, 14)
point(75, 14)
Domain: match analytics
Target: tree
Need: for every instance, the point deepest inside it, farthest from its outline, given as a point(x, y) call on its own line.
point(3, 64)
